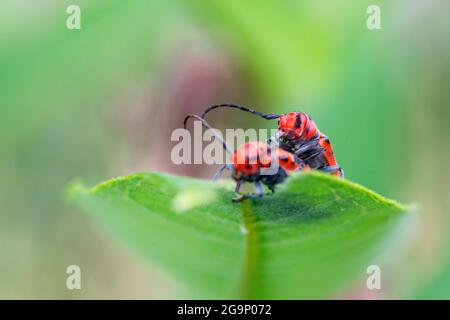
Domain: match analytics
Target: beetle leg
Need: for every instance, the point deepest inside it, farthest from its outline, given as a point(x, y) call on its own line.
point(333, 169)
point(220, 171)
point(259, 193)
point(259, 189)
point(238, 186)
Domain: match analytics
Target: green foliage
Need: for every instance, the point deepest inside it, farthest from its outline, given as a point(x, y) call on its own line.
point(438, 287)
point(55, 71)
point(311, 238)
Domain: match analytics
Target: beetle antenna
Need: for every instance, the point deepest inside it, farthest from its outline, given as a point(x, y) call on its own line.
point(267, 116)
point(207, 126)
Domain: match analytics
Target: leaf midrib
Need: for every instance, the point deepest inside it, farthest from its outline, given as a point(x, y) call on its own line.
point(251, 250)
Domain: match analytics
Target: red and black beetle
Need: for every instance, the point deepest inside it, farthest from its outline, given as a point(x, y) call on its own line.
point(249, 161)
point(297, 133)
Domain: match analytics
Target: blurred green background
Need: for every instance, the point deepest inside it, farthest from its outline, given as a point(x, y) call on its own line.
point(102, 101)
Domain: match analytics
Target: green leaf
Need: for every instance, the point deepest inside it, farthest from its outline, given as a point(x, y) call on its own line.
point(316, 235)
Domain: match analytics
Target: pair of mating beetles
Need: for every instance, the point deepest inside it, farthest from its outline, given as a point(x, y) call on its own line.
point(299, 145)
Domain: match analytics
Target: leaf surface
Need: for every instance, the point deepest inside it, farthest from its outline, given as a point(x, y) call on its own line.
point(315, 236)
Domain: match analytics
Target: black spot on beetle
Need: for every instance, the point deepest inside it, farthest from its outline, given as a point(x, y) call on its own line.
point(298, 121)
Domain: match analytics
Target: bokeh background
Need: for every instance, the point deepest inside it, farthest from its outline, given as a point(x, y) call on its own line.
point(102, 101)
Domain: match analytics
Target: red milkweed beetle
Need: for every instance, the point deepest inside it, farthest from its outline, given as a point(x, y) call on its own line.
point(249, 160)
point(298, 134)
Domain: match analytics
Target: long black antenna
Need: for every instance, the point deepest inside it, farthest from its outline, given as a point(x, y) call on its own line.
point(207, 126)
point(267, 116)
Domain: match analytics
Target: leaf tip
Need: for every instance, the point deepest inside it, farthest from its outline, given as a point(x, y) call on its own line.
point(74, 189)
